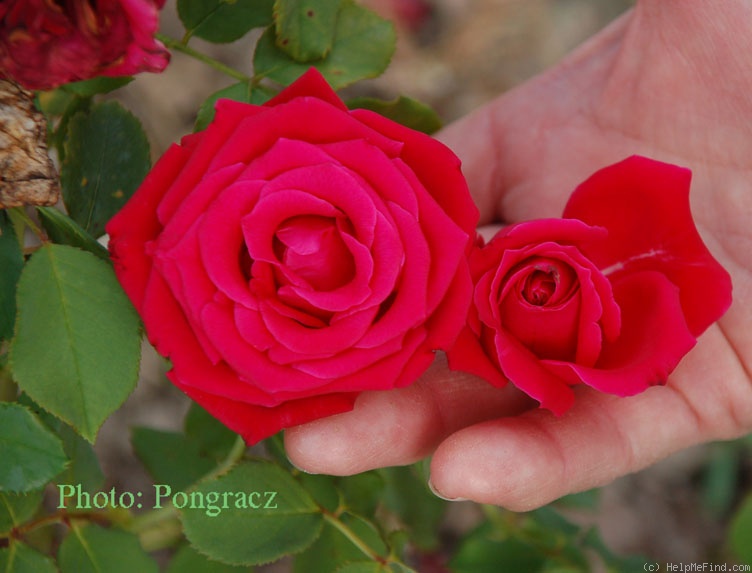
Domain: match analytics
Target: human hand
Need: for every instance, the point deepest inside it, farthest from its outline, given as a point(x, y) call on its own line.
point(668, 81)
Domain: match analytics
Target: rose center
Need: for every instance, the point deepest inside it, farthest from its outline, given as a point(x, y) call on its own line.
point(312, 248)
point(539, 286)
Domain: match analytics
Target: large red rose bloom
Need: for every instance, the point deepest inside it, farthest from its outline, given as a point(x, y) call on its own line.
point(295, 254)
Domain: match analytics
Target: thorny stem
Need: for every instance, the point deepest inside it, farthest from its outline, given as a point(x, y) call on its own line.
point(179, 46)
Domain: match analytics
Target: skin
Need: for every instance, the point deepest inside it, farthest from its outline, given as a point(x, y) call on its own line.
point(670, 80)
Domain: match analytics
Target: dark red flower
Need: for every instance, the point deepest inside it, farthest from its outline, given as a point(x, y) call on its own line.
point(46, 43)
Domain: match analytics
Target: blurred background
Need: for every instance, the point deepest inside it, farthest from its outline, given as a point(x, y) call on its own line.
point(454, 55)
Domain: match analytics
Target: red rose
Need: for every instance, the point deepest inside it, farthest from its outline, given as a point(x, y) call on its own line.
point(295, 254)
point(46, 43)
point(613, 295)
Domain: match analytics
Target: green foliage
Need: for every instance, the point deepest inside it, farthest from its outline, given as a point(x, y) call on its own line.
point(363, 492)
point(265, 515)
point(408, 496)
point(327, 554)
point(77, 345)
point(371, 567)
point(222, 21)
point(83, 468)
point(93, 549)
point(20, 558)
point(740, 532)
point(188, 560)
point(16, 508)
point(482, 551)
point(305, 29)
point(170, 457)
point(11, 263)
point(95, 86)
point(211, 436)
point(106, 158)
point(362, 48)
point(31, 455)
point(63, 230)
point(404, 110)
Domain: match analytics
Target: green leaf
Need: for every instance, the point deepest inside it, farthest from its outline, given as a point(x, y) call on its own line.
point(333, 547)
point(363, 46)
point(20, 558)
point(93, 549)
point(31, 455)
point(740, 532)
point(322, 489)
point(170, 457)
point(264, 515)
point(361, 567)
point(212, 437)
point(15, 509)
point(188, 560)
point(55, 102)
point(363, 492)
point(106, 158)
point(305, 28)
point(371, 567)
point(83, 467)
point(78, 342)
point(481, 552)
point(407, 494)
point(719, 480)
point(328, 553)
point(275, 450)
point(223, 21)
point(94, 86)
point(63, 230)
point(404, 110)
point(240, 91)
point(11, 263)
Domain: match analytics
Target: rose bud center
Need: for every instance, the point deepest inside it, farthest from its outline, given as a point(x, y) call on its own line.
point(311, 247)
point(539, 286)
point(546, 282)
point(539, 305)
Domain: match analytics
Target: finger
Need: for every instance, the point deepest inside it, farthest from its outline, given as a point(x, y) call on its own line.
point(399, 426)
point(524, 462)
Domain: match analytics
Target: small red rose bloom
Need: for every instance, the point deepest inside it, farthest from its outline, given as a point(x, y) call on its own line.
point(613, 295)
point(295, 254)
point(46, 43)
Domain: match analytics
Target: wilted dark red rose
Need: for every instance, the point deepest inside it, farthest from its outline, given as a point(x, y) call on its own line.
point(295, 254)
point(613, 295)
point(46, 43)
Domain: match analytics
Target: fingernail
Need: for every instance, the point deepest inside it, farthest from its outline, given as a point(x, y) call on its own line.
point(442, 496)
point(305, 471)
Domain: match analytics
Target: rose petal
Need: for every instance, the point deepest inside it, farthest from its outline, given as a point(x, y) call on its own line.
point(662, 238)
point(310, 84)
point(653, 340)
point(254, 423)
point(423, 153)
point(530, 375)
point(221, 232)
point(306, 119)
point(468, 355)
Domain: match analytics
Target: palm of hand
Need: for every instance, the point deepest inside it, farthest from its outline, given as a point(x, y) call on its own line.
point(624, 92)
